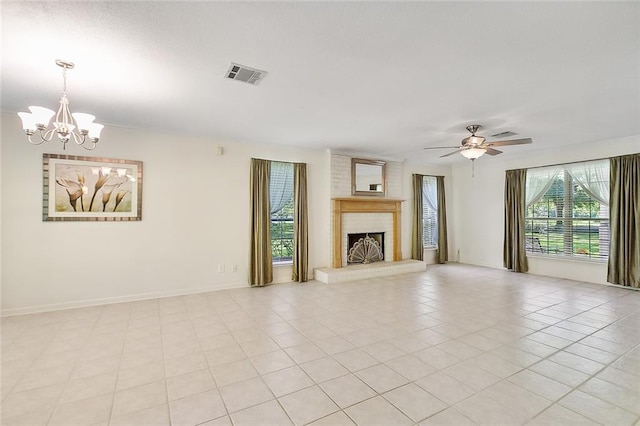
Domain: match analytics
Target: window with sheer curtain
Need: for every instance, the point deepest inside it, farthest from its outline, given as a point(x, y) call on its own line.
point(567, 210)
point(429, 212)
point(281, 204)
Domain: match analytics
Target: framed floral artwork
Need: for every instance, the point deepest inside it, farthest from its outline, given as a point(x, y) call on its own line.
point(91, 188)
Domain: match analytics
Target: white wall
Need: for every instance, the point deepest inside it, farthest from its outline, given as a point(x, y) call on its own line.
point(478, 215)
point(195, 217)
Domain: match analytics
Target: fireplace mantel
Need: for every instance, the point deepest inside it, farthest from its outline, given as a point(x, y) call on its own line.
point(365, 205)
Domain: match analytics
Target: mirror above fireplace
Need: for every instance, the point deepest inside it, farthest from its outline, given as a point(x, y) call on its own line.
point(367, 177)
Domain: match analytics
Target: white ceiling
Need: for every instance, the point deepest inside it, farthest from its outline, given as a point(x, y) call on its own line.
point(379, 78)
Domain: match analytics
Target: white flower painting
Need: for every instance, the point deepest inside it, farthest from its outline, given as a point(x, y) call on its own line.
point(87, 188)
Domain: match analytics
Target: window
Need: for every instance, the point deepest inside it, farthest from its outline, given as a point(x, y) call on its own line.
point(281, 203)
point(429, 211)
point(568, 210)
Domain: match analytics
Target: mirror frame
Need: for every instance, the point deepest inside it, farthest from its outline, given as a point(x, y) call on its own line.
point(383, 164)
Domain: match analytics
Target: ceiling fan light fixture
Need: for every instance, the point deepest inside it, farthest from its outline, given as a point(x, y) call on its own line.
point(473, 153)
point(475, 140)
point(474, 147)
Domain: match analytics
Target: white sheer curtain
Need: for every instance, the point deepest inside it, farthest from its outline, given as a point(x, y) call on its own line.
point(430, 192)
point(593, 177)
point(280, 185)
point(538, 182)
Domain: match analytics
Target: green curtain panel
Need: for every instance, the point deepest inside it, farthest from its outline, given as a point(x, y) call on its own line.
point(260, 263)
point(624, 201)
point(300, 224)
point(443, 247)
point(514, 255)
point(417, 249)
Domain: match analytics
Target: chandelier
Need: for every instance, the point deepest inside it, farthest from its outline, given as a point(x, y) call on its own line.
point(78, 126)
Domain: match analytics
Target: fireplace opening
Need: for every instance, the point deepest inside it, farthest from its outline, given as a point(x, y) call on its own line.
point(365, 247)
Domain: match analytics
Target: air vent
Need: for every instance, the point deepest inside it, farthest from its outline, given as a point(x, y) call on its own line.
point(245, 74)
point(503, 134)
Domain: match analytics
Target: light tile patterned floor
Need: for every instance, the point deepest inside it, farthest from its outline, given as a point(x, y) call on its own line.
point(457, 345)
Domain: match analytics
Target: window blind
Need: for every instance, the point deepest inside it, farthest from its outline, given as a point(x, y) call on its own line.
point(281, 203)
point(429, 211)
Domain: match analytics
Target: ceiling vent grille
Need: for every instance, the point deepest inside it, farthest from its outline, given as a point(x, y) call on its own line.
point(504, 134)
point(245, 74)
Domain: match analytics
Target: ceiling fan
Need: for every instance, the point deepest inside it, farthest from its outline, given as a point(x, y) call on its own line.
point(473, 147)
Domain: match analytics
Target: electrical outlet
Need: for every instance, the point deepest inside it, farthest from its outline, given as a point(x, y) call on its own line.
point(234, 268)
point(221, 267)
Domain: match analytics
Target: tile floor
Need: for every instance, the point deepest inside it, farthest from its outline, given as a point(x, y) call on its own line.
point(455, 345)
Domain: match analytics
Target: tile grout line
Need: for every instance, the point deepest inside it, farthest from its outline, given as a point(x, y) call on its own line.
point(57, 405)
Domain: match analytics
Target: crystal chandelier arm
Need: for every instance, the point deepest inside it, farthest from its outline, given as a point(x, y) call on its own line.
point(78, 138)
point(44, 136)
point(32, 142)
point(89, 148)
point(48, 135)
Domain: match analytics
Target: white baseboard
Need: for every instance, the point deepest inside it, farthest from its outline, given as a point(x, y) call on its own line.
point(112, 300)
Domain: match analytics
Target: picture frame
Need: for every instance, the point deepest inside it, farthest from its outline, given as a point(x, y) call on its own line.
point(79, 188)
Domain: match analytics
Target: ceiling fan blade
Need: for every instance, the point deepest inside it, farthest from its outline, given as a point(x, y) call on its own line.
point(510, 142)
point(492, 151)
point(504, 134)
point(451, 153)
point(441, 147)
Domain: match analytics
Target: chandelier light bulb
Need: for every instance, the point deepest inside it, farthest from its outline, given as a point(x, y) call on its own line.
point(94, 131)
point(42, 116)
point(83, 120)
point(62, 127)
point(28, 122)
point(65, 123)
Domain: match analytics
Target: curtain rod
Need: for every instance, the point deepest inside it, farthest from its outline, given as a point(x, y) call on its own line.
point(277, 161)
point(428, 175)
point(568, 162)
